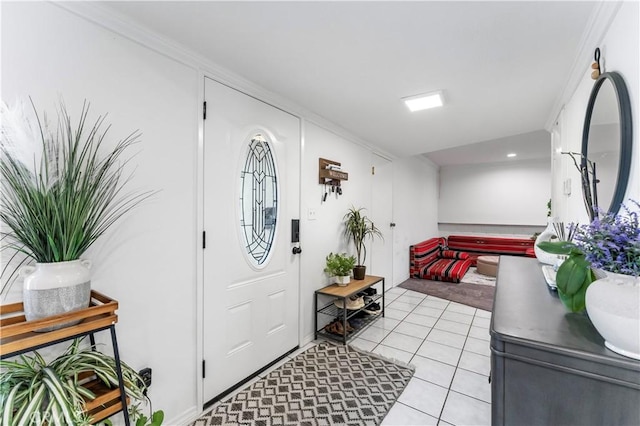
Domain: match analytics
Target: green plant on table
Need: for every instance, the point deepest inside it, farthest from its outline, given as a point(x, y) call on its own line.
point(358, 228)
point(60, 188)
point(36, 392)
point(339, 265)
point(574, 274)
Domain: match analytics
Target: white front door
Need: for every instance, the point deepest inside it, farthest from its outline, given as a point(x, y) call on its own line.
point(382, 217)
point(251, 276)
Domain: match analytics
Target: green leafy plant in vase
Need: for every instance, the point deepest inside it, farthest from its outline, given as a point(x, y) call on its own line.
point(358, 228)
point(340, 266)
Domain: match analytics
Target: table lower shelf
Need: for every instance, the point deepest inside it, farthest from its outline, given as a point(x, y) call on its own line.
point(366, 321)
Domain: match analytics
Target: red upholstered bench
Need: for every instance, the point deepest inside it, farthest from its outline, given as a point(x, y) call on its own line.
point(432, 260)
point(478, 246)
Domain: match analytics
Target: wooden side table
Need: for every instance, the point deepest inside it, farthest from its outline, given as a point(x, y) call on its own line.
point(344, 293)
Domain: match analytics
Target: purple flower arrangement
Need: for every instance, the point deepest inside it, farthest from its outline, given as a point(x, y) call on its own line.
point(612, 241)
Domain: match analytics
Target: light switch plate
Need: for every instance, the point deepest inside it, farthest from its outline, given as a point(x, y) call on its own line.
point(311, 214)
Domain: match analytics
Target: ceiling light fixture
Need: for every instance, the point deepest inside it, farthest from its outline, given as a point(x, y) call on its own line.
point(511, 155)
point(424, 101)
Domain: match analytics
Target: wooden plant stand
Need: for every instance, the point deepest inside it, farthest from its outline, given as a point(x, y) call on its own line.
point(18, 336)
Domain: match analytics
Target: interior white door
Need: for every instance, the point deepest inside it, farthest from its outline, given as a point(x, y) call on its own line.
point(382, 217)
point(251, 276)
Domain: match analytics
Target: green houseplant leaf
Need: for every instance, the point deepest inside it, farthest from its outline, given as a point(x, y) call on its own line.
point(34, 392)
point(557, 247)
point(339, 264)
point(573, 273)
point(573, 276)
point(359, 227)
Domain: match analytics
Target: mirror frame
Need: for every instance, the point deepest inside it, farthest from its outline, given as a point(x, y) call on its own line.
point(626, 134)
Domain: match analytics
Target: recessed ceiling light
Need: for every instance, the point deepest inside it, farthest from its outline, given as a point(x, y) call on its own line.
point(424, 101)
point(511, 155)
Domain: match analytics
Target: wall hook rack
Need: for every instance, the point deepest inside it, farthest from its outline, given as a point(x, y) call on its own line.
point(329, 173)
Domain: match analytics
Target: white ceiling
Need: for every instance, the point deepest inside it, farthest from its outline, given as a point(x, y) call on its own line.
point(501, 65)
point(534, 145)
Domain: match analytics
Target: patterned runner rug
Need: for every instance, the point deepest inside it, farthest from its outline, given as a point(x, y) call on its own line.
point(326, 385)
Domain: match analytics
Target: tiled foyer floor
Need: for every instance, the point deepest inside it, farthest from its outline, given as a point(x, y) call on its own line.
point(447, 342)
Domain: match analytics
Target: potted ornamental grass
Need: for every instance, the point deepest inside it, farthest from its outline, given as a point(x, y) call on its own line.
point(62, 187)
point(340, 266)
point(358, 228)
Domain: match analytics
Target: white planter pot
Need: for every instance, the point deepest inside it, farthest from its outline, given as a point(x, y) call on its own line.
point(343, 280)
point(55, 288)
point(543, 256)
point(613, 305)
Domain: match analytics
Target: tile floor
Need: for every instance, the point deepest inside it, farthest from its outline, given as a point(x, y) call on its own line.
point(448, 343)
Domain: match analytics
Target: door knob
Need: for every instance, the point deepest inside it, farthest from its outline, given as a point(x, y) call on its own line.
point(296, 250)
point(392, 224)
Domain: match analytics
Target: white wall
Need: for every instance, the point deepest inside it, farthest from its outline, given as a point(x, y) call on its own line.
point(147, 263)
point(415, 211)
point(323, 235)
point(507, 193)
point(620, 51)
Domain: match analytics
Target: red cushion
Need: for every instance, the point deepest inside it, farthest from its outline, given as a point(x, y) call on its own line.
point(479, 245)
point(423, 253)
point(450, 270)
point(452, 254)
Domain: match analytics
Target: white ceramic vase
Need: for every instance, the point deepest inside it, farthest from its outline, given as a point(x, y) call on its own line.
point(543, 256)
point(343, 280)
point(613, 305)
point(55, 288)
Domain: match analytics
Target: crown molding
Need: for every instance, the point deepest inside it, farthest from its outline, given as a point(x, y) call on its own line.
point(127, 28)
point(599, 22)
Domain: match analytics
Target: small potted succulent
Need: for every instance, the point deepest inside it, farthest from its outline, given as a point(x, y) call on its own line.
point(340, 266)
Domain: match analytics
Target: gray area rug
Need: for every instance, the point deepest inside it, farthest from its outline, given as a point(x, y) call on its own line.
point(326, 385)
point(477, 295)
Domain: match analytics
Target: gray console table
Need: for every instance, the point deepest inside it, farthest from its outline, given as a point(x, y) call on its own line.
point(550, 366)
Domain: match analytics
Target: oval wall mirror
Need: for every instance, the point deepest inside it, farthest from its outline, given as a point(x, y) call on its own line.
point(607, 141)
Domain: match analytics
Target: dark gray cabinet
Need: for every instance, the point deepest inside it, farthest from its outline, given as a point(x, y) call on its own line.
point(550, 366)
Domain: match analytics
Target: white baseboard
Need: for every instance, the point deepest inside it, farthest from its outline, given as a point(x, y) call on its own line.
point(187, 417)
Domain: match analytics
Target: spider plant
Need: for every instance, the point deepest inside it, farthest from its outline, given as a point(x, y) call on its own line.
point(59, 199)
point(34, 392)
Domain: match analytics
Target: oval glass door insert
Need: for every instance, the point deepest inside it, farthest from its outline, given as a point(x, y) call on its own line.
point(258, 200)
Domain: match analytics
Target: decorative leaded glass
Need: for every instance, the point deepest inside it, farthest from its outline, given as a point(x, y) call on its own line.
point(258, 200)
